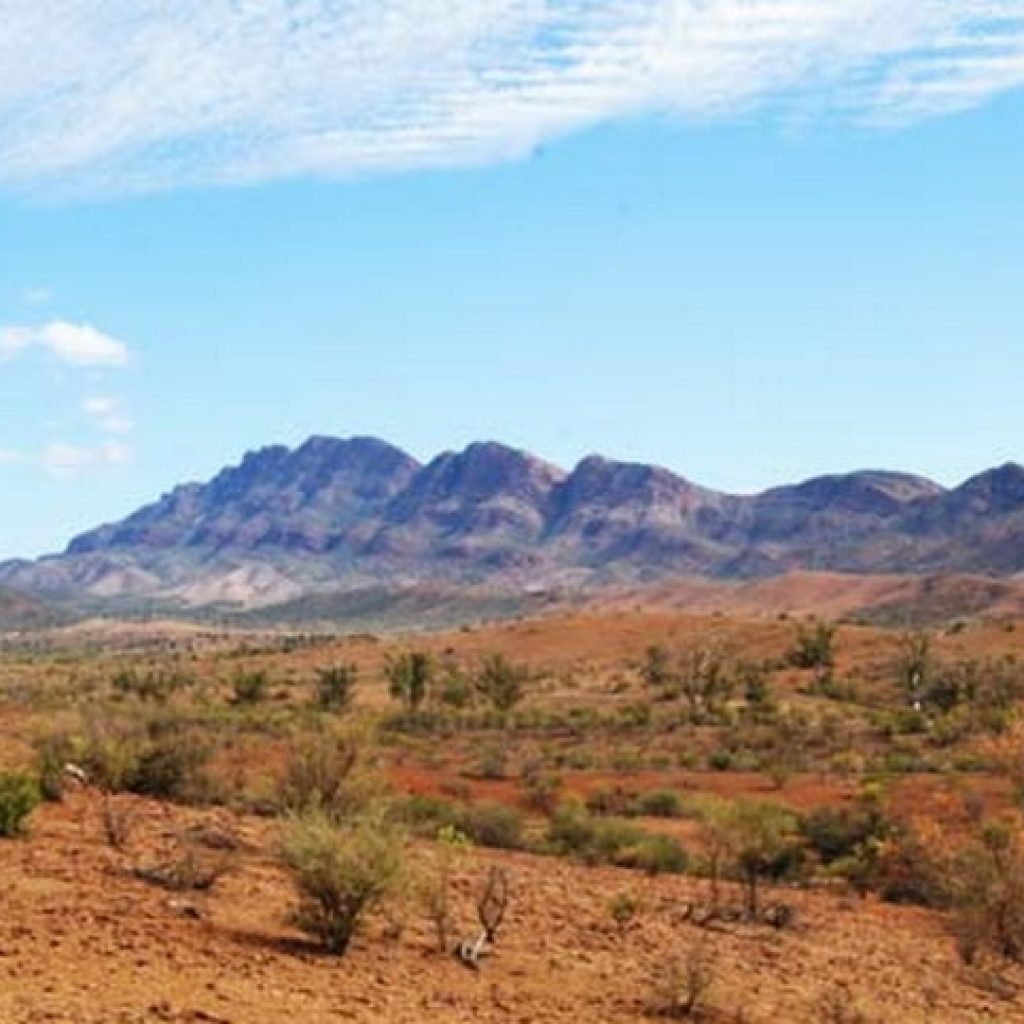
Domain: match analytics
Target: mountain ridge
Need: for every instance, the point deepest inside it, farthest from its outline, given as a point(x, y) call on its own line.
point(333, 514)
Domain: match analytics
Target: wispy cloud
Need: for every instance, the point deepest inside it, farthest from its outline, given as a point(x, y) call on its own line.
point(108, 413)
point(143, 94)
point(67, 460)
point(74, 344)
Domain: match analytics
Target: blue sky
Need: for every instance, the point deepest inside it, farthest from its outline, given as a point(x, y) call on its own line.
point(815, 267)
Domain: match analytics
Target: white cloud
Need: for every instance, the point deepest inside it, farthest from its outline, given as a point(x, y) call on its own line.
point(108, 414)
point(144, 94)
point(74, 344)
point(64, 460)
point(82, 347)
point(114, 453)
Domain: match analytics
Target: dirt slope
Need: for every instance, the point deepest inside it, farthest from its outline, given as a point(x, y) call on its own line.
point(84, 942)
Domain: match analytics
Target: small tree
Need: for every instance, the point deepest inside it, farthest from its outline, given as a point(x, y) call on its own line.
point(340, 873)
point(335, 687)
point(704, 679)
point(656, 670)
point(754, 841)
point(761, 841)
point(915, 665)
point(409, 677)
point(501, 682)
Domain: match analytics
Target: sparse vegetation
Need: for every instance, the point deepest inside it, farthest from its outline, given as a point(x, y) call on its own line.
point(902, 753)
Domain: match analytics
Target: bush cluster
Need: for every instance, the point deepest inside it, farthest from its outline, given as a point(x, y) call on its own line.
point(574, 831)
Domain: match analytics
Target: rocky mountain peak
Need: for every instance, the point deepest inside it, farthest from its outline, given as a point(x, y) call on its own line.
point(334, 513)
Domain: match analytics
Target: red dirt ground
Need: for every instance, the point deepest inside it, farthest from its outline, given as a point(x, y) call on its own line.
point(82, 941)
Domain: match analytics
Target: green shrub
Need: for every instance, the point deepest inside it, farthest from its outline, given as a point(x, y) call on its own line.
point(492, 824)
point(19, 797)
point(501, 683)
point(410, 676)
point(912, 867)
point(250, 687)
point(814, 646)
point(705, 680)
point(491, 762)
point(752, 841)
point(425, 815)
point(660, 803)
point(987, 892)
point(335, 687)
point(626, 761)
point(614, 800)
point(455, 690)
point(574, 832)
point(340, 873)
point(657, 671)
point(623, 908)
point(155, 685)
point(635, 716)
point(328, 771)
point(171, 768)
point(540, 787)
point(488, 823)
point(656, 854)
point(163, 757)
point(835, 834)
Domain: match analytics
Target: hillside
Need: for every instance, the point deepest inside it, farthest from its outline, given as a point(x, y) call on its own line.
point(20, 612)
point(340, 515)
point(135, 898)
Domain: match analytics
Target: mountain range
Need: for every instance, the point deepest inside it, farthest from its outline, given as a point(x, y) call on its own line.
point(338, 515)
